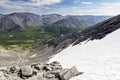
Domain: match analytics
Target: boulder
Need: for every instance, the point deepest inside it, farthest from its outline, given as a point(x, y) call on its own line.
point(42, 67)
point(26, 71)
point(47, 68)
point(74, 71)
point(55, 71)
point(63, 72)
point(50, 76)
point(35, 72)
point(37, 66)
point(57, 67)
point(68, 74)
point(55, 63)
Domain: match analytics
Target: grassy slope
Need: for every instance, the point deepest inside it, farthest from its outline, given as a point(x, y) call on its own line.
point(23, 38)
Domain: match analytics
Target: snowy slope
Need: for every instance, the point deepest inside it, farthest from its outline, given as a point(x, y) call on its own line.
point(98, 59)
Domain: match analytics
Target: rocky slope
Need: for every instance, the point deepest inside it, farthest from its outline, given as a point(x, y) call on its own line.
point(57, 44)
point(97, 31)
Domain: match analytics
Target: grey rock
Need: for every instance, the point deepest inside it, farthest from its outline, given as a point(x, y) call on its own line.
point(55, 71)
point(56, 68)
point(55, 63)
point(50, 76)
point(43, 67)
point(51, 71)
point(35, 71)
point(70, 73)
point(47, 68)
point(63, 72)
point(26, 71)
point(74, 71)
point(13, 69)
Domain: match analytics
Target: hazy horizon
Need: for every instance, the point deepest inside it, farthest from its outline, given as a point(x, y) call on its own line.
point(59, 14)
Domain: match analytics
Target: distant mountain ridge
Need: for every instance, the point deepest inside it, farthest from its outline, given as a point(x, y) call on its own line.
point(74, 23)
point(24, 20)
point(50, 22)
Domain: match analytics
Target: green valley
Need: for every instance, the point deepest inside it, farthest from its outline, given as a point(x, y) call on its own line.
point(24, 38)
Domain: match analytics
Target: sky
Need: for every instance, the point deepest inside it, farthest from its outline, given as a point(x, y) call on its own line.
point(63, 7)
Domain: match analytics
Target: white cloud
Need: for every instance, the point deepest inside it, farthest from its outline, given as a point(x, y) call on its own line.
point(38, 2)
point(95, 9)
point(98, 10)
point(10, 6)
point(111, 8)
point(76, 1)
point(86, 3)
point(20, 5)
point(115, 5)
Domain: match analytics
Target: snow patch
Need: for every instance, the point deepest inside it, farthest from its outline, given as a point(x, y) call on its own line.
point(98, 59)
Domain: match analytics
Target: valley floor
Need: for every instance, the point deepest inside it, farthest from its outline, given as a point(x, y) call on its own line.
point(21, 57)
point(98, 59)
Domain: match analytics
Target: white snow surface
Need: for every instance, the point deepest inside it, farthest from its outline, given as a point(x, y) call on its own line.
point(97, 59)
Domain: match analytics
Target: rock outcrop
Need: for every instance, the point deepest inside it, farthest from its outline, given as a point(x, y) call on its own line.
point(52, 71)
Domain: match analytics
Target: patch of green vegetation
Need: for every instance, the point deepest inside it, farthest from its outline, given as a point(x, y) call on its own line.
point(24, 38)
point(62, 29)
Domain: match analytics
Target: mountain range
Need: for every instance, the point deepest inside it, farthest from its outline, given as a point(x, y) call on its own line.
point(51, 23)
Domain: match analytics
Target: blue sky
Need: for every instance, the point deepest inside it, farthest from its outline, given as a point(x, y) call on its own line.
point(64, 7)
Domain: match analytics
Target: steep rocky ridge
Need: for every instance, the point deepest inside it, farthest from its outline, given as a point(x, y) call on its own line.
point(44, 50)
